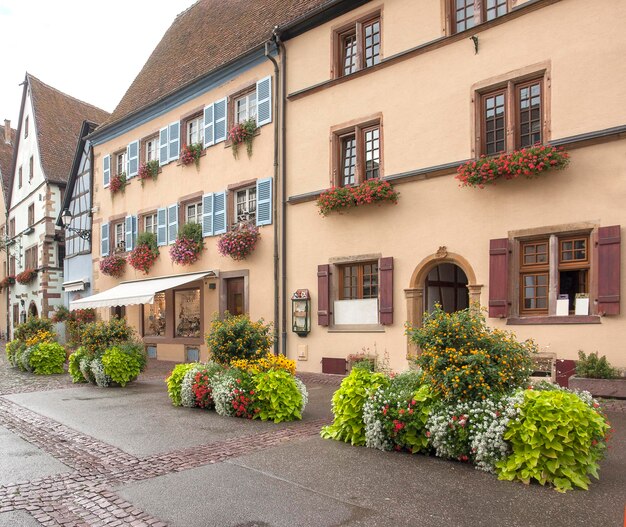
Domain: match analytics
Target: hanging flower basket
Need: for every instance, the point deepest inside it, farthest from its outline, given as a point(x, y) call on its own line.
point(242, 133)
point(149, 170)
point(239, 243)
point(118, 183)
point(113, 265)
point(527, 162)
point(142, 258)
point(26, 276)
point(188, 245)
point(191, 154)
point(7, 281)
point(372, 191)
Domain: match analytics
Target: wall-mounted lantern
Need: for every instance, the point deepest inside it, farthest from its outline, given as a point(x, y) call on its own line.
point(301, 312)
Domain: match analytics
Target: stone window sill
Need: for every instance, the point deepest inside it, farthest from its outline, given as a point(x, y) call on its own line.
point(554, 320)
point(357, 328)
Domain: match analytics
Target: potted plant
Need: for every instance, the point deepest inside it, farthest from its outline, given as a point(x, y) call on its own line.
point(191, 154)
point(372, 191)
point(148, 170)
point(118, 183)
point(242, 133)
point(188, 245)
point(113, 265)
point(527, 162)
point(143, 256)
point(26, 276)
point(595, 375)
point(240, 242)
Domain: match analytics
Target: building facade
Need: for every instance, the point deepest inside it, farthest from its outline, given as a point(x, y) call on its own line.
point(7, 142)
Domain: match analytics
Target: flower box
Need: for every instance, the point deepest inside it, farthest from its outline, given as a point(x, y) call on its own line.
point(113, 265)
point(242, 133)
point(26, 276)
point(615, 388)
point(149, 170)
point(191, 154)
point(373, 191)
point(240, 242)
point(118, 183)
point(188, 245)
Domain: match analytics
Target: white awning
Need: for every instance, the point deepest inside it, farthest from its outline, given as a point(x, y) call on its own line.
point(137, 291)
point(75, 285)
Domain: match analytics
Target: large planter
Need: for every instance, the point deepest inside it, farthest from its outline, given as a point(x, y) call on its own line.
point(600, 387)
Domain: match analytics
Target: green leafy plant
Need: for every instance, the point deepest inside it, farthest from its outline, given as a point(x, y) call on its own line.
point(556, 439)
point(593, 367)
point(175, 380)
point(47, 358)
point(348, 403)
point(121, 366)
point(406, 421)
point(237, 337)
point(13, 351)
point(464, 359)
point(96, 337)
point(32, 326)
point(242, 133)
point(276, 396)
point(74, 366)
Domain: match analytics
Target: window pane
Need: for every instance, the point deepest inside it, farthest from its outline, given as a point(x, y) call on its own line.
point(349, 53)
point(464, 15)
point(496, 8)
point(529, 108)
point(535, 291)
point(372, 43)
point(348, 160)
point(187, 313)
point(494, 123)
point(372, 153)
point(154, 317)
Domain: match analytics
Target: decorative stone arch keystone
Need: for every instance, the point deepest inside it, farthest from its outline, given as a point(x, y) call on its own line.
point(415, 293)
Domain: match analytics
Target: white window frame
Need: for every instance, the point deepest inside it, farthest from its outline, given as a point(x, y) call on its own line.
point(246, 107)
point(196, 216)
point(195, 131)
point(119, 236)
point(124, 160)
point(153, 223)
point(246, 214)
point(152, 149)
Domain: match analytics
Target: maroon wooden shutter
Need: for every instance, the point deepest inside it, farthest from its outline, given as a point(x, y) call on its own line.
point(609, 247)
point(499, 278)
point(323, 295)
point(385, 267)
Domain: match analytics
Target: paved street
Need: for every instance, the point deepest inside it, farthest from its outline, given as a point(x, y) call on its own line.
point(85, 456)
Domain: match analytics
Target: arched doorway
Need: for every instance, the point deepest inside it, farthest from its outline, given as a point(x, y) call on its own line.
point(32, 310)
point(446, 285)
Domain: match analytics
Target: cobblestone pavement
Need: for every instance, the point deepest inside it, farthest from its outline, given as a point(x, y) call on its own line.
point(84, 496)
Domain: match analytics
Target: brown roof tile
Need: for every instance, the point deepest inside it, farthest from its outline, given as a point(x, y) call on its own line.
point(210, 34)
point(6, 159)
point(58, 121)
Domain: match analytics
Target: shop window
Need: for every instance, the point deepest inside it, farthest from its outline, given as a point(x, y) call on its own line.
point(154, 317)
point(187, 313)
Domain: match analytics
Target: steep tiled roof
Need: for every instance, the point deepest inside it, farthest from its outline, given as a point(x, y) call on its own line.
point(58, 121)
point(210, 34)
point(6, 158)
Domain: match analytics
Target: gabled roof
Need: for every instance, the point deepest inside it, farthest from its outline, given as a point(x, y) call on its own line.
point(58, 120)
point(205, 37)
point(6, 159)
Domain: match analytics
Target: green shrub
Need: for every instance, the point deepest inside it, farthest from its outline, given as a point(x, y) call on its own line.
point(149, 239)
point(175, 380)
point(192, 231)
point(121, 366)
point(464, 359)
point(13, 351)
point(348, 403)
point(276, 396)
point(557, 438)
point(23, 359)
point(237, 337)
point(31, 327)
point(47, 358)
point(137, 350)
point(97, 337)
point(74, 366)
point(593, 367)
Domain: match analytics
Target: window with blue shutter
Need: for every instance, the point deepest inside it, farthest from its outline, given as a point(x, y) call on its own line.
point(207, 215)
point(162, 226)
point(104, 239)
point(264, 201)
point(264, 101)
point(174, 133)
point(133, 158)
point(208, 125)
point(172, 223)
point(163, 146)
point(219, 120)
point(106, 170)
point(219, 213)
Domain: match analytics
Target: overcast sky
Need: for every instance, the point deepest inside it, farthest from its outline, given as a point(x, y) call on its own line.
point(89, 49)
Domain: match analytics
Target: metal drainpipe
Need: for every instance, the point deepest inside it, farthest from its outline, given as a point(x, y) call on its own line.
point(283, 154)
point(275, 192)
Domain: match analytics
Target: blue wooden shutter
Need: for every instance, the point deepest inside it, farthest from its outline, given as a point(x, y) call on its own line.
point(208, 125)
point(174, 133)
point(219, 120)
point(207, 215)
point(106, 170)
point(104, 239)
point(133, 158)
point(128, 233)
point(172, 223)
point(163, 146)
point(162, 226)
point(264, 101)
point(264, 201)
point(219, 213)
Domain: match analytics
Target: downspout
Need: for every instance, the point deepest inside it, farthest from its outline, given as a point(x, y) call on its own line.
point(275, 192)
point(283, 154)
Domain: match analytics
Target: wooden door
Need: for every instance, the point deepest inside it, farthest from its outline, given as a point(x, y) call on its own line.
point(235, 296)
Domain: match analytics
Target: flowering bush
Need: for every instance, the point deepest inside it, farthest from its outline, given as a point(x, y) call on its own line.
point(122, 367)
point(31, 327)
point(187, 396)
point(191, 154)
point(43, 335)
point(201, 389)
point(74, 325)
point(527, 162)
point(237, 337)
point(113, 265)
point(149, 170)
point(26, 276)
point(118, 183)
point(74, 365)
point(99, 375)
point(174, 381)
point(97, 337)
point(143, 256)
point(276, 396)
point(265, 363)
point(242, 133)
point(342, 198)
point(188, 245)
point(239, 243)
point(464, 359)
